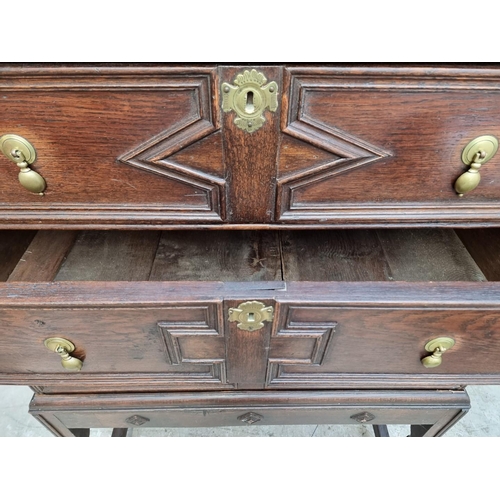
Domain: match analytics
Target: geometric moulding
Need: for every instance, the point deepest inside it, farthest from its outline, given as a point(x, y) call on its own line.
point(311, 343)
point(184, 340)
point(161, 154)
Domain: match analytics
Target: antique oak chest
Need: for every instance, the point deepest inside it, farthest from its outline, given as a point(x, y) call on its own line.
point(218, 245)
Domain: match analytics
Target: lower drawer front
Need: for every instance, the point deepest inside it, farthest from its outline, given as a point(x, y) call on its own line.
point(250, 408)
point(179, 336)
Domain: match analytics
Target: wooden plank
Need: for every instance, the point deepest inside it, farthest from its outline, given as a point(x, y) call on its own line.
point(354, 255)
point(12, 246)
point(484, 246)
point(428, 255)
point(217, 256)
point(42, 259)
point(110, 256)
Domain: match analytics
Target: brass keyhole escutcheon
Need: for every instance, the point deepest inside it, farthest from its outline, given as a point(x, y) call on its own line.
point(250, 316)
point(249, 97)
point(23, 154)
point(437, 347)
point(64, 348)
point(475, 155)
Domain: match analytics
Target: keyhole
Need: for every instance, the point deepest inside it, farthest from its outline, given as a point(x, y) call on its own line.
point(249, 107)
point(251, 317)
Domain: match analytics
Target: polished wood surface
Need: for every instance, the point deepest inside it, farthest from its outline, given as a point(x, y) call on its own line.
point(204, 409)
point(141, 146)
point(339, 213)
point(351, 309)
point(104, 138)
point(396, 136)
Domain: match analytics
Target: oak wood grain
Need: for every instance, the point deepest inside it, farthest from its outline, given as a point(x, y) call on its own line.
point(251, 158)
point(103, 138)
point(388, 125)
point(42, 259)
point(110, 256)
point(428, 255)
point(484, 246)
point(333, 256)
point(12, 246)
point(274, 407)
point(215, 256)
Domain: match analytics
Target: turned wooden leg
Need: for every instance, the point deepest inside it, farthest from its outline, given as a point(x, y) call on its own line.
point(80, 433)
point(119, 432)
point(419, 430)
point(381, 431)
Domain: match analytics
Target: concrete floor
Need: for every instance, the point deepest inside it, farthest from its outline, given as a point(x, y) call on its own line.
point(482, 420)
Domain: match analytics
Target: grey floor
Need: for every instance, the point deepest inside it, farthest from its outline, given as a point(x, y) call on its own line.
point(483, 420)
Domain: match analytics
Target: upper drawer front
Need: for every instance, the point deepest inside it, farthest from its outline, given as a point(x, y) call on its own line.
point(142, 146)
point(116, 146)
point(378, 146)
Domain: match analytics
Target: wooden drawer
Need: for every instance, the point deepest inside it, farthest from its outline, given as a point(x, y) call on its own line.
point(159, 329)
point(250, 408)
point(383, 145)
point(142, 146)
point(114, 146)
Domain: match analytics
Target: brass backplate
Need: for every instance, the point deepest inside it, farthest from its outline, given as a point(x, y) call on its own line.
point(251, 315)
point(486, 143)
point(56, 342)
point(249, 97)
point(444, 343)
point(11, 142)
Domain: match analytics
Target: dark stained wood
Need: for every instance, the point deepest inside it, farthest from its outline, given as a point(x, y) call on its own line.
point(12, 246)
point(80, 432)
point(386, 325)
point(349, 146)
point(387, 340)
point(460, 295)
point(251, 158)
point(194, 339)
point(204, 409)
point(110, 256)
point(388, 125)
point(217, 256)
point(205, 155)
point(147, 147)
point(121, 340)
point(484, 246)
point(103, 142)
point(428, 255)
point(381, 431)
point(298, 156)
point(419, 430)
point(247, 351)
point(333, 256)
point(119, 432)
point(42, 259)
point(381, 255)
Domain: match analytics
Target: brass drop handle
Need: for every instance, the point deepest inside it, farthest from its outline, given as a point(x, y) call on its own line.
point(64, 348)
point(475, 154)
point(23, 154)
point(437, 347)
